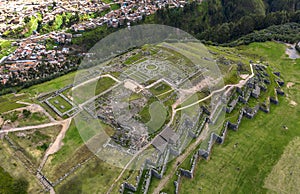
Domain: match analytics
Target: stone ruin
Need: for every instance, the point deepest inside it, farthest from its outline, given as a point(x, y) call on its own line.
point(253, 88)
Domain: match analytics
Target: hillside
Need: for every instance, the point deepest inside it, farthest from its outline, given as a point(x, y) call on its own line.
point(223, 20)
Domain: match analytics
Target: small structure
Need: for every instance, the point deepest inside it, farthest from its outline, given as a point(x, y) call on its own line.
point(160, 144)
point(169, 135)
point(256, 91)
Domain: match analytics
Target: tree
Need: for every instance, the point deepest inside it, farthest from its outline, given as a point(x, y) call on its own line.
point(20, 186)
point(26, 19)
point(26, 113)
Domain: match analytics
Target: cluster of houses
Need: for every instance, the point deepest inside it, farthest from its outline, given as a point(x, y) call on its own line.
point(129, 12)
point(123, 12)
point(13, 13)
point(32, 52)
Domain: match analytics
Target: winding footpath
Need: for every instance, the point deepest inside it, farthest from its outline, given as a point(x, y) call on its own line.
point(195, 144)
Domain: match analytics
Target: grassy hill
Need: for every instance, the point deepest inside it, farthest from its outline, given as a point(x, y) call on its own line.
point(259, 158)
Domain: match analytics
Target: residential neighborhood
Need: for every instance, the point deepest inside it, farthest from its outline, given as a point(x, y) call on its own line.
point(50, 49)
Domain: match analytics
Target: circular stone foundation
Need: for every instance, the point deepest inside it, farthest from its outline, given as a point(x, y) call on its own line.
point(151, 67)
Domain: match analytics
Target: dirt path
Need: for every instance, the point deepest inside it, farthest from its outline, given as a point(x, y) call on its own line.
point(94, 79)
point(31, 127)
point(57, 144)
point(230, 86)
point(201, 137)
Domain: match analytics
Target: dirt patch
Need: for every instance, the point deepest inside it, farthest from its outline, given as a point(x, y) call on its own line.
point(244, 76)
point(292, 52)
point(284, 178)
point(1, 121)
point(58, 143)
point(293, 103)
point(290, 84)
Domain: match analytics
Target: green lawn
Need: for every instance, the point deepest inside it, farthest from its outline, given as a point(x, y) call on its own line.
point(285, 174)
point(160, 89)
point(145, 113)
point(158, 115)
point(61, 104)
point(9, 102)
point(94, 177)
point(15, 171)
point(134, 58)
point(51, 86)
point(61, 162)
point(115, 6)
point(11, 185)
point(91, 89)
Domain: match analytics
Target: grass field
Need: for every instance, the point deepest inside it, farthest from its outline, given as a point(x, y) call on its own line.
point(160, 89)
point(62, 159)
point(284, 177)
point(133, 59)
point(61, 104)
point(260, 142)
point(18, 119)
point(35, 142)
point(9, 102)
point(158, 116)
point(51, 86)
point(16, 169)
point(11, 185)
point(91, 89)
point(95, 176)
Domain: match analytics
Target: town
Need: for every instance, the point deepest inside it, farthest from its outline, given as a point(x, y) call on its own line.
point(52, 49)
point(143, 96)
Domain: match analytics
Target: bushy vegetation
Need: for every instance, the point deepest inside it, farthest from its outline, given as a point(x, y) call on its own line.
point(91, 37)
point(224, 21)
point(10, 185)
point(286, 33)
point(6, 48)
